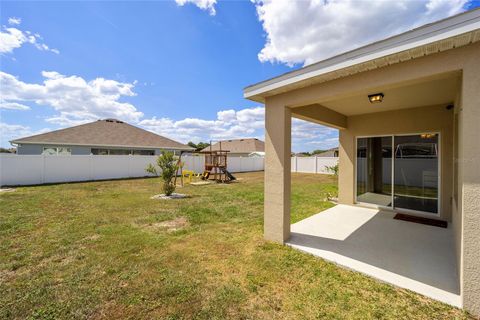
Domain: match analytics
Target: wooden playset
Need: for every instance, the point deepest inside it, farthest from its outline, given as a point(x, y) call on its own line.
point(215, 166)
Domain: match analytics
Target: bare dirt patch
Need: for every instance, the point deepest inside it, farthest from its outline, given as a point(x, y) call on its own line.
point(169, 225)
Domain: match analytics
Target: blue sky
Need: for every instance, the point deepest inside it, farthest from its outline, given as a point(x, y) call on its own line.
point(177, 67)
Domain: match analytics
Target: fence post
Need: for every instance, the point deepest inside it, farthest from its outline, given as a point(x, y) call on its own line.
point(316, 164)
point(90, 166)
point(129, 161)
point(43, 168)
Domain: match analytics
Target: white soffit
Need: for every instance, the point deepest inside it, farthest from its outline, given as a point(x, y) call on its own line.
point(453, 32)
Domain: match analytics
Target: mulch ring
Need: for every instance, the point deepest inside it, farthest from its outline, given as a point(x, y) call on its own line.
point(170, 197)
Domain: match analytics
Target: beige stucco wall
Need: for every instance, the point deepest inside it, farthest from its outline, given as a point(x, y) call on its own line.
point(469, 179)
point(457, 186)
point(404, 121)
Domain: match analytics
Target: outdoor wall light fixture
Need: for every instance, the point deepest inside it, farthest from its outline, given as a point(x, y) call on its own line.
point(376, 97)
point(427, 135)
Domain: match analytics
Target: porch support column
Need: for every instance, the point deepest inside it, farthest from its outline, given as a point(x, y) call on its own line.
point(346, 167)
point(277, 172)
point(470, 178)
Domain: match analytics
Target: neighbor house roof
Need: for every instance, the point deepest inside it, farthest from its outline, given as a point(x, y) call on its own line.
point(328, 153)
point(453, 32)
point(105, 133)
point(239, 145)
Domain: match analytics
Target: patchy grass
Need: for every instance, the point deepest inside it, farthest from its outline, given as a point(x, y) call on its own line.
point(106, 250)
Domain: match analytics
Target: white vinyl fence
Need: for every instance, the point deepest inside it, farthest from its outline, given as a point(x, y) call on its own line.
point(313, 164)
point(40, 169)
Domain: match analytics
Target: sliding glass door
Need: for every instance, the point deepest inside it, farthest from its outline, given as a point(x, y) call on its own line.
point(399, 171)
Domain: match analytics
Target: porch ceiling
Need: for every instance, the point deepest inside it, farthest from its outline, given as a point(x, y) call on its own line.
point(442, 90)
point(413, 256)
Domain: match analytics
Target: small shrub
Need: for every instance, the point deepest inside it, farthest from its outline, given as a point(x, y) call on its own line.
point(333, 169)
point(168, 166)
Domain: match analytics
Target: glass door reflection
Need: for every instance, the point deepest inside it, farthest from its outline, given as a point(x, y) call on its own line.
point(416, 172)
point(374, 170)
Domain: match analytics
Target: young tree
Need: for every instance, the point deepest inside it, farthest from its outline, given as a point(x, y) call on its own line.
point(168, 166)
point(333, 169)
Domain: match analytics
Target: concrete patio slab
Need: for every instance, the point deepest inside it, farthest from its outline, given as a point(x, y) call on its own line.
point(417, 257)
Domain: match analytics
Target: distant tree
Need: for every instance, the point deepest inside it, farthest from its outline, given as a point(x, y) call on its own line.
point(303, 154)
point(3, 150)
point(318, 151)
point(199, 146)
point(202, 145)
point(168, 166)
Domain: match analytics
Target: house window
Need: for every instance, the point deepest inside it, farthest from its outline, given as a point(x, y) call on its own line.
point(143, 152)
point(122, 152)
point(62, 151)
point(55, 151)
point(100, 152)
point(119, 152)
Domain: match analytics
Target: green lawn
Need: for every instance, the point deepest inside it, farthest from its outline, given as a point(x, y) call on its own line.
point(97, 250)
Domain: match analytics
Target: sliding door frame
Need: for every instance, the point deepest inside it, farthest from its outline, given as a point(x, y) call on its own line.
point(393, 207)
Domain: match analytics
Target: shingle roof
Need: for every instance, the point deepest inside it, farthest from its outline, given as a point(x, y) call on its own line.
point(107, 133)
point(239, 145)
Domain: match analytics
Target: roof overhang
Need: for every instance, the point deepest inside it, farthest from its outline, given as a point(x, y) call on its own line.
point(98, 145)
point(453, 32)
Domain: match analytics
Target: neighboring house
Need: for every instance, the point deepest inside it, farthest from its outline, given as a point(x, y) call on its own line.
point(239, 147)
point(257, 154)
point(102, 137)
point(332, 153)
point(407, 109)
point(302, 154)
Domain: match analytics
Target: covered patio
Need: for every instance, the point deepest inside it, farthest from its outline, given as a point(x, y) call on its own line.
point(413, 256)
point(407, 110)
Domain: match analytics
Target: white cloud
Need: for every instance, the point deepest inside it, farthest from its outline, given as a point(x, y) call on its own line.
point(74, 99)
point(228, 124)
point(244, 123)
point(13, 38)
point(14, 21)
point(9, 132)
point(311, 30)
point(208, 5)
point(13, 105)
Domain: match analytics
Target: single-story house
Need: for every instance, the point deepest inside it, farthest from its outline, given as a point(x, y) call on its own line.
point(239, 147)
point(408, 113)
point(330, 153)
point(101, 137)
